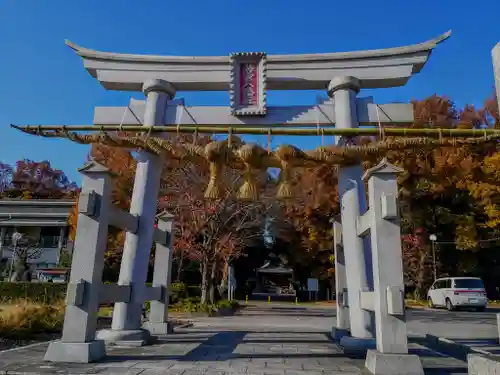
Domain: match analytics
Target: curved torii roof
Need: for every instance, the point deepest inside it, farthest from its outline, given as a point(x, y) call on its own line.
point(387, 67)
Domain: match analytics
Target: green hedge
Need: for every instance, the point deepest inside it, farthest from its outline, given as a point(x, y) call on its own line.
point(181, 291)
point(36, 292)
point(52, 292)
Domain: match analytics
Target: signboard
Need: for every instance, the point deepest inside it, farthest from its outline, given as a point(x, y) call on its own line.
point(312, 285)
point(247, 88)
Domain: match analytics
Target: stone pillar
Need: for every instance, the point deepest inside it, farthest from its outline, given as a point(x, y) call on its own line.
point(126, 325)
point(158, 323)
point(496, 69)
point(391, 356)
point(498, 327)
point(341, 328)
point(385, 237)
point(353, 203)
point(78, 342)
point(3, 230)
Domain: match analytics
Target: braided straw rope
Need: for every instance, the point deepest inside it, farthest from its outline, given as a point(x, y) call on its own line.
point(251, 157)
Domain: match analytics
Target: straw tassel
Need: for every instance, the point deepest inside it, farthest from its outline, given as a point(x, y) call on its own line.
point(285, 187)
point(286, 155)
point(252, 156)
point(249, 189)
point(214, 188)
point(216, 154)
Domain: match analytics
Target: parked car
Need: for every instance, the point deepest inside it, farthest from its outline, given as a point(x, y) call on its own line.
point(456, 292)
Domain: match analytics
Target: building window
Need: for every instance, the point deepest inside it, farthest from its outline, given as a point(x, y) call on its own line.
point(49, 237)
point(7, 240)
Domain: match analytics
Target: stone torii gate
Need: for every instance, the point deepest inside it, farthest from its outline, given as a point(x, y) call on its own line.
point(247, 77)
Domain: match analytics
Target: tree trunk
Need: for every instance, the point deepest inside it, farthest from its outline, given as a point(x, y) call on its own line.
point(204, 281)
point(333, 288)
point(179, 267)
point(212, 281)
point(421, 276)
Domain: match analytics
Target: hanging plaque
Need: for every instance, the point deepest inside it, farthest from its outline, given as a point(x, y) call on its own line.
point(248, 84)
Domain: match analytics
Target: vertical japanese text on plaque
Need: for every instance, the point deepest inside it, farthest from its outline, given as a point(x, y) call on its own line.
point(248, 84)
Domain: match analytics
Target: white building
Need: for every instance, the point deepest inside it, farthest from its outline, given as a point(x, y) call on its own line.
point(45, 220)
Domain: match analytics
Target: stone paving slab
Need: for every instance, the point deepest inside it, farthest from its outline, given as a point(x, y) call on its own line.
point(222, 353)
point(207, 353)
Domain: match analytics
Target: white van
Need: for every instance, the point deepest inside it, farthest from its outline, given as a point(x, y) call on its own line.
point(455, 292)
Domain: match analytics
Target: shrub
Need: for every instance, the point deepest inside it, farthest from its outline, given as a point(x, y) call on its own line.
point(225, 304)
point(25, 319)
point(193, 305)
point(50, 293)
point(43, 293)
point(180, 291)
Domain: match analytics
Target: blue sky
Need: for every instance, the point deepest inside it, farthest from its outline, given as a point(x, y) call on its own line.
point(43, 82)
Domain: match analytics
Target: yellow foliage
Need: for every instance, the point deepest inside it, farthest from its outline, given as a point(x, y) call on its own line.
point(487, 190)
point(465, 233)
point(313, 235)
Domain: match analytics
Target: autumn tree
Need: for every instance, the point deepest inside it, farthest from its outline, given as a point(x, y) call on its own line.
point(435, 193)
point(30, 179)
point(212, 231)
point(452, 192)
point(5, 178)
point(304, 222)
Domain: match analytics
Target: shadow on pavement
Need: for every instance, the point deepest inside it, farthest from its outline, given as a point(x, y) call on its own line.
point(221, 346)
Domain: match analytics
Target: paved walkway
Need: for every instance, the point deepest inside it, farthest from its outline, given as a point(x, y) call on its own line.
point(257, 346)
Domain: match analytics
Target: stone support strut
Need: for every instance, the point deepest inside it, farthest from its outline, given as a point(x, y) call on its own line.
point(162, 274)
point(385, 235)
point(126, 325)
point(381, 224)
point(78, 342)
point(341, 328)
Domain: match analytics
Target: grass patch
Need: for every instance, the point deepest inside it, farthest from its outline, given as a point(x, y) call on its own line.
point(24, 319)
point(415, 302)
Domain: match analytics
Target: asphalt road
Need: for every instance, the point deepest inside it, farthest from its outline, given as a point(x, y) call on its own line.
point(455, 324)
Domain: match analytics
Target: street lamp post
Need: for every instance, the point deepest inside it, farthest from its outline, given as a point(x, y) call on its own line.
point(433, 239)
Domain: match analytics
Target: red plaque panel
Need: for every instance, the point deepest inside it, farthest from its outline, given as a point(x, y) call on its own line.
point(248, 80)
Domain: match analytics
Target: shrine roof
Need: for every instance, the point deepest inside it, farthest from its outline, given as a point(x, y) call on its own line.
point(269, 268)
point(375, 68)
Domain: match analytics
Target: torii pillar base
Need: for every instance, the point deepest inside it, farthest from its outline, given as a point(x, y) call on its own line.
point(339, 333)
point(75, 352)
point(354, 346)
point(133, 338)
point(393, 364)
point(159, 328)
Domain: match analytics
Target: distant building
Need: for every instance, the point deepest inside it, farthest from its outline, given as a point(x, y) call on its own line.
point(44, 220)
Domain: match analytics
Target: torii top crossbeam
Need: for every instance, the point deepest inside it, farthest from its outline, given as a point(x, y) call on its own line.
point(379, 68)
